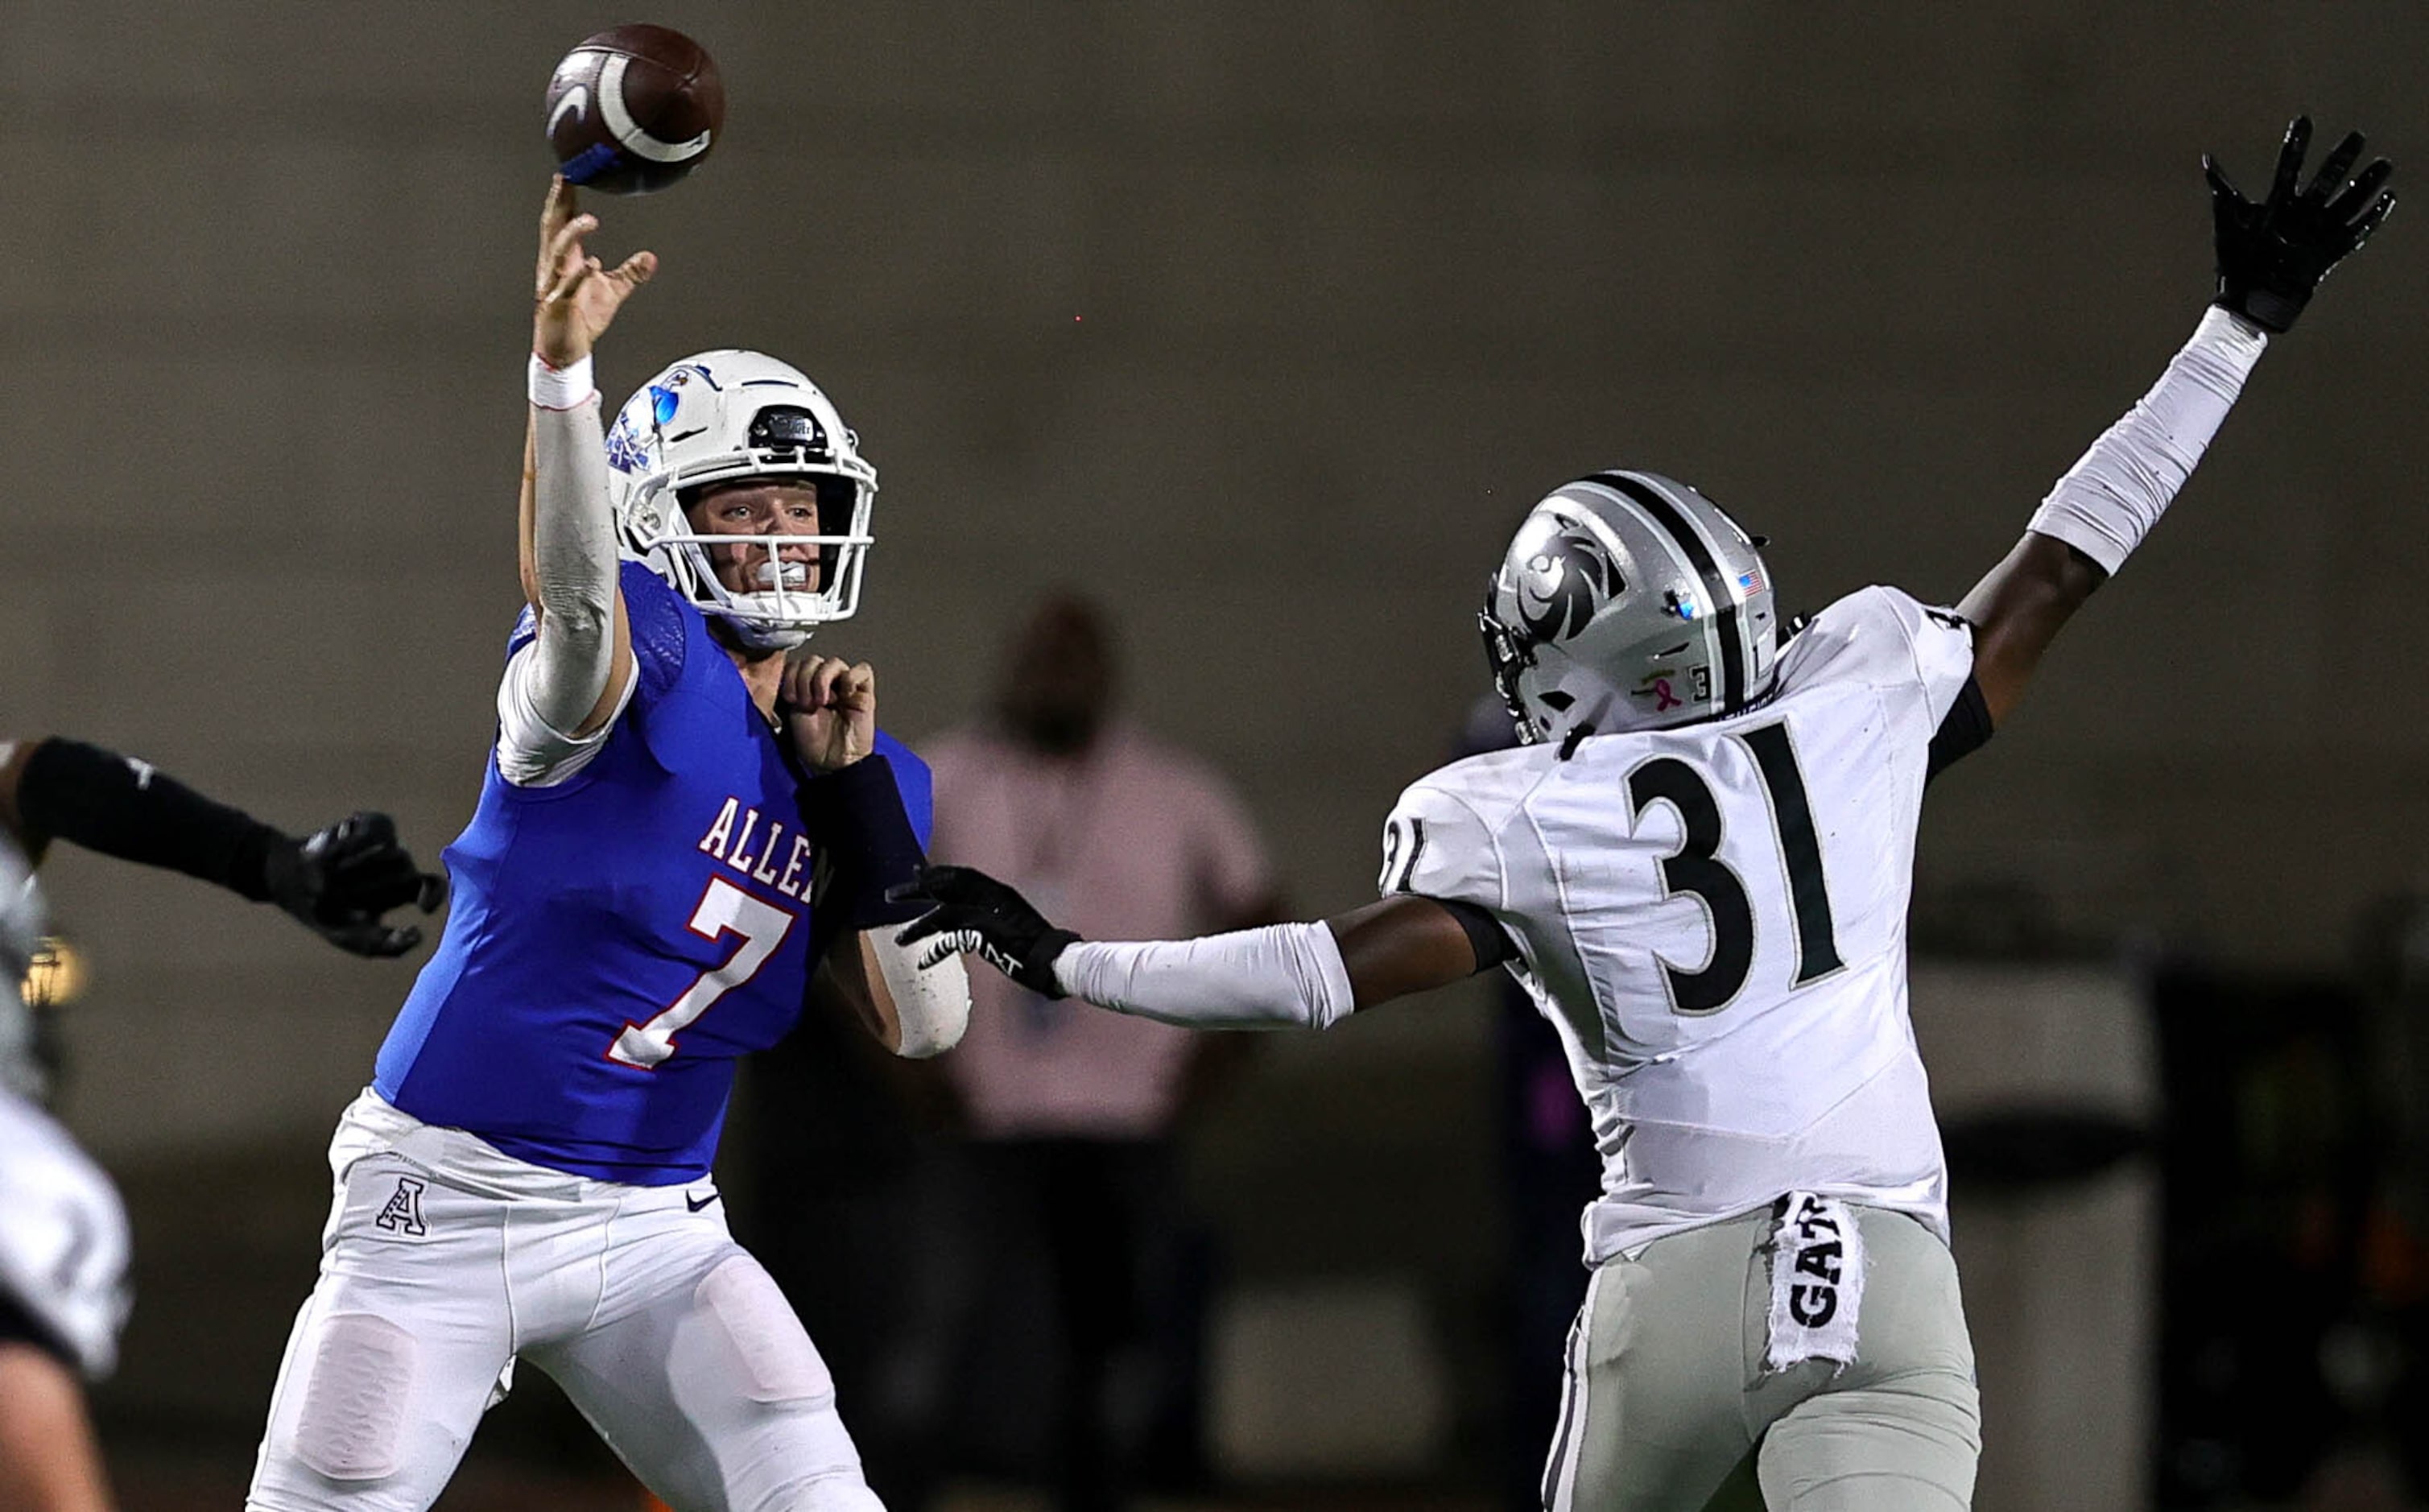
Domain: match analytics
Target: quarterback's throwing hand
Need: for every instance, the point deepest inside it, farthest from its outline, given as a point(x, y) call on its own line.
point(575, 295)
point(974, 912)
point(2273, 255)
point(339, 880)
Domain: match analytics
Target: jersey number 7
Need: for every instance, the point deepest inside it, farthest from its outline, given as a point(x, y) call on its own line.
point(724, 909)
point(1696, 867)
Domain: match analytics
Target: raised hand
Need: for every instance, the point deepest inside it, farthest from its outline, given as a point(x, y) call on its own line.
point(974, 912)
point(341, 879)
point(830, 709)
point(575, 297)
point(2273, 255)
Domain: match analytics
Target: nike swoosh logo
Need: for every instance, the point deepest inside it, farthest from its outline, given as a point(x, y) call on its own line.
point(577, 100)
point(696, 1206)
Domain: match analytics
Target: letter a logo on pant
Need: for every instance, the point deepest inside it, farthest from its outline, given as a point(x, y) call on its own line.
point(403, 1214)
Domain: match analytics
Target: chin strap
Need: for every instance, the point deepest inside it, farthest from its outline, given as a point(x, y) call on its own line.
point(754, 636)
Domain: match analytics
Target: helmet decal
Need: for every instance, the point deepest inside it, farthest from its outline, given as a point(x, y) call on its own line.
point(663, 402)
point(1564, 584)
point(629, 449)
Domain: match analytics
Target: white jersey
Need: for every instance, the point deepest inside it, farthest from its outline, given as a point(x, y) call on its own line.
point(63, 1236)
point(1713, 918)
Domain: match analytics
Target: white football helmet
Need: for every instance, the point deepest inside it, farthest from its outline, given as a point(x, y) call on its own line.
point(721, 417)
point(1628, 601)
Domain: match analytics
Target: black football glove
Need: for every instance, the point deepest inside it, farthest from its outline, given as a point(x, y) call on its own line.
point(2270, 255)
point(972, 911)
point(339, 880)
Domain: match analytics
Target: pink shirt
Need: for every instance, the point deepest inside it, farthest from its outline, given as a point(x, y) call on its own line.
point(1137, 841)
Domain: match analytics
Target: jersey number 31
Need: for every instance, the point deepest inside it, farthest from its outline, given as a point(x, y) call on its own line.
point(1696, 867)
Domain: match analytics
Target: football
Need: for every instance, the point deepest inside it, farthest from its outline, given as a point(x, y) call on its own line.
point(633, 109)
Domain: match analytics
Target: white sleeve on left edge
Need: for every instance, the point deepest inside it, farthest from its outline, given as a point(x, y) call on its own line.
point(1270, 978)
point(532, 752)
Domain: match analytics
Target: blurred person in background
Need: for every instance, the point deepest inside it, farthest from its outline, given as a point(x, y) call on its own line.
point(1699, 864)
point(1074, 1114)
point(63, 1240)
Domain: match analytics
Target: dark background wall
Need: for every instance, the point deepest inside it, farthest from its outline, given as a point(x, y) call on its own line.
point(1262, 321)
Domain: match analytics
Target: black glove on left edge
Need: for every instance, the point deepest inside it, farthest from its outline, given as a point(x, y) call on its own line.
point(341, 879)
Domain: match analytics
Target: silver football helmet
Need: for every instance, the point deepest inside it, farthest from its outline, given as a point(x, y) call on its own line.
point(1628, 601)
point(721, 417)
point(21, 941)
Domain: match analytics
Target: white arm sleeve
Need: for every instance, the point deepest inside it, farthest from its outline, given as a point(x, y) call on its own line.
point(532, 752)
point(1266, 978)
point(552, 684)
point(2110, 499)
point(932, 1004)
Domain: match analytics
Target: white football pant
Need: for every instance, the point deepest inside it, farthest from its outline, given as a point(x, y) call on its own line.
point(445, 1261)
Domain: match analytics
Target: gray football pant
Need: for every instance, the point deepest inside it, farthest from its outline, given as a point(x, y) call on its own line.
point(1667, 1390)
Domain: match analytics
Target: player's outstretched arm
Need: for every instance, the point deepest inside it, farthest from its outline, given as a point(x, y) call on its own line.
point(338, 881)
point(1310, 975)
point(576, 674)
point(2272, 256)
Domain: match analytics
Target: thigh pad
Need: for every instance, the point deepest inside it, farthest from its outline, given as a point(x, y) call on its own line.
point(779, 1362)
point(355, 1397)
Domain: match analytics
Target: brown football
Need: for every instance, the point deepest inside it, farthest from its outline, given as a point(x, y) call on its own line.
point(633, 109)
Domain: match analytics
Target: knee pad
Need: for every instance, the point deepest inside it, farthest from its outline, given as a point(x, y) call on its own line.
point(780, 1365)
point(356, 1397)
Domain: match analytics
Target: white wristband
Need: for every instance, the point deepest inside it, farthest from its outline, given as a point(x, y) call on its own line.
point(566, 387)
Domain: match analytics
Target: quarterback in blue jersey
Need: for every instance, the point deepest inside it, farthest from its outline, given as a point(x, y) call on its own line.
point(685, 831)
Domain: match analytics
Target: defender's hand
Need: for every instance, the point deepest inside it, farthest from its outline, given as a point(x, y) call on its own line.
point(830, 709)
point(576, 297)
point(974, 912)
point(339, 880)
point(2272, 255)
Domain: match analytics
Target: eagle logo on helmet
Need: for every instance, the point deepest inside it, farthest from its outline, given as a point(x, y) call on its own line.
point(628, 449)
point(1565, 584)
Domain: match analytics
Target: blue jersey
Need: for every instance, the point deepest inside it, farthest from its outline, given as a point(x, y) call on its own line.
point(617, 941)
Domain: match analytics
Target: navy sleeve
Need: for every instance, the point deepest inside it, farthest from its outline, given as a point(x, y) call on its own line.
point(1491, 943)
point(1965, 730)
point(18, 1326)
point(915, 783)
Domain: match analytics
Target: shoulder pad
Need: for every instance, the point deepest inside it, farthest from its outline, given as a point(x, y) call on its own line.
point(660, 633)
point(1441, 840)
